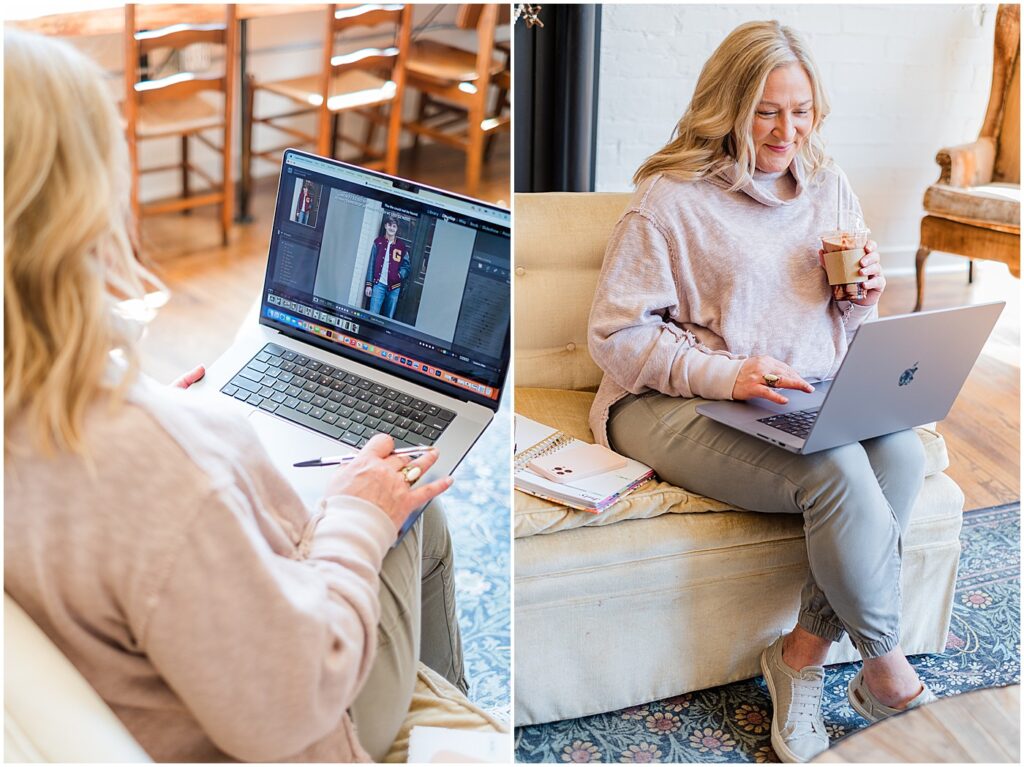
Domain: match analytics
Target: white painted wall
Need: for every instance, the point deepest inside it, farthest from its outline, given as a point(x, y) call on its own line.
point(903, 80)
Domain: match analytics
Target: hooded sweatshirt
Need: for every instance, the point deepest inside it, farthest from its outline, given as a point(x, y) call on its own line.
point(697, 278)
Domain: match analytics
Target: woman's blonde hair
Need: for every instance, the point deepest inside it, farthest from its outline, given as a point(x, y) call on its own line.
point(715, 133)
point(68, 257)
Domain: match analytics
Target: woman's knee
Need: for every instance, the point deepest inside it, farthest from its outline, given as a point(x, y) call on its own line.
point(834, 475)
point(900, 455)
point(437, 540)
point(839, 483)
point(898, 461)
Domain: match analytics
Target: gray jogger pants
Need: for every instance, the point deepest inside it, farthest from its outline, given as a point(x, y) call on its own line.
point(855, 500)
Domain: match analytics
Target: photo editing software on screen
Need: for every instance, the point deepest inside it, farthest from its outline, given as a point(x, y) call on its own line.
point(415, 281)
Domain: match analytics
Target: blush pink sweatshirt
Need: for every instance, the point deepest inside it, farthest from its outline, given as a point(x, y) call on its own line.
point(218, 616)
point(696, 278)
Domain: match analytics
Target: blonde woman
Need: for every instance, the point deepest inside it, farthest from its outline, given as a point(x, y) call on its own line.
point(146, 532)
point(711, 289)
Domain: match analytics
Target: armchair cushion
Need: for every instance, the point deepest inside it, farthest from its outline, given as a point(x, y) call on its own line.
point(568, 411)
point(992, 206)
point(51, 714)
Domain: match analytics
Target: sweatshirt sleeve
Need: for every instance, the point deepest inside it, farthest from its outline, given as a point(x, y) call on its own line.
point(854, 316)
point(269, 651)
point(636, 322)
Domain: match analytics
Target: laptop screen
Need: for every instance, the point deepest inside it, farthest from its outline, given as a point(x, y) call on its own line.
point(409, 279)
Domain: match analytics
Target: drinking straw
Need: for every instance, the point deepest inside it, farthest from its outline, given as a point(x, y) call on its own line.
point(839, 201)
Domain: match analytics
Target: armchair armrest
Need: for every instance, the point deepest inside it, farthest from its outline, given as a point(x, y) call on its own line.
point(967, 164)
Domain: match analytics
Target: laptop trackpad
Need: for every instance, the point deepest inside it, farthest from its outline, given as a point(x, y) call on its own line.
point(288, 444)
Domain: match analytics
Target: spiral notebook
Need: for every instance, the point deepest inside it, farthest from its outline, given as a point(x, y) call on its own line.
point(594, 494)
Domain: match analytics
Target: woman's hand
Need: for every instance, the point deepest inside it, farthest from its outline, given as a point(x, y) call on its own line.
point(751, 382)
point(369, 292)
point(376, 476)
point(189, 378)
point(870, 266)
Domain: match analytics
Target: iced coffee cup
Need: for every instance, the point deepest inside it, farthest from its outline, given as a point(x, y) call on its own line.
point(843, 250)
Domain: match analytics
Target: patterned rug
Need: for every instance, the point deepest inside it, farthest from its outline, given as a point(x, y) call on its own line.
point(732, 723)
point(477, 508)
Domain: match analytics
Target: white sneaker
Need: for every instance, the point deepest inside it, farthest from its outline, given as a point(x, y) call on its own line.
point(798, 731)
point(872, 709)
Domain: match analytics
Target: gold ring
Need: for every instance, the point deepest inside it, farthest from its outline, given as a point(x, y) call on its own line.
point(770, 380)
point(411, 473)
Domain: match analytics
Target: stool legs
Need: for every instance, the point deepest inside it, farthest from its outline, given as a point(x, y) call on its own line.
point(394, 137)
point(421, 115)
point(474, 149)
point(248, 103)
point(184, 171)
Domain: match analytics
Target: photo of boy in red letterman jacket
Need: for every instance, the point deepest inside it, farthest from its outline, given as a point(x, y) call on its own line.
point(387, 270)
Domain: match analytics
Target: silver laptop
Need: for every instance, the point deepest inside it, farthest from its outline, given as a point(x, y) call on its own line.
point(899, 372)
point(385, 308)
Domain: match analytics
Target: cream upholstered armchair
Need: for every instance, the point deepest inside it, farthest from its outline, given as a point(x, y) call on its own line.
point(666, 591)
point(52, 714)
point(973, 210)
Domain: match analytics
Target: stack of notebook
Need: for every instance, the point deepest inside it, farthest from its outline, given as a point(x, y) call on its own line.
point(594, 493)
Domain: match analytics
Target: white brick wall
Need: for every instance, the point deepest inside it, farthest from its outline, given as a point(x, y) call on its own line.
point(904, 81)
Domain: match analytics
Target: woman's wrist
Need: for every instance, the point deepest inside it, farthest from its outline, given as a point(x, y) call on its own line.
point(343, 512)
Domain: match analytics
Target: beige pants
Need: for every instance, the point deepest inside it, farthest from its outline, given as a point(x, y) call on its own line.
point(417, 621)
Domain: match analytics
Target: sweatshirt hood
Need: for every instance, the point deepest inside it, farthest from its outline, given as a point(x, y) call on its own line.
point(762, 187)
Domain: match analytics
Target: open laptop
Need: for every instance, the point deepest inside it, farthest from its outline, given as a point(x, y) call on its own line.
point(340, 353)
point(899, 372)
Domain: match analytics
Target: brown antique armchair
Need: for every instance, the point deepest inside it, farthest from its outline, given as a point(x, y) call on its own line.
point(973, 210)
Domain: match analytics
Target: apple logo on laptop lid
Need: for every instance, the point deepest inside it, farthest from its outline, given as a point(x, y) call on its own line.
point(908, 375)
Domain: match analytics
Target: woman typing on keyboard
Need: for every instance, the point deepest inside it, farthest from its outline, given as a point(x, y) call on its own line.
point(712, 289)
point(147, 532)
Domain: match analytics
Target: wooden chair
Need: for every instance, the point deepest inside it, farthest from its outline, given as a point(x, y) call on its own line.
point(359, 82)
point(503, 82)
point(973, 210)
point(184, 104)
point(454, 86)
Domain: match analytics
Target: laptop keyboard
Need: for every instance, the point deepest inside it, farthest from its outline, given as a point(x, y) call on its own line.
point(338, 404)
point(798, 423)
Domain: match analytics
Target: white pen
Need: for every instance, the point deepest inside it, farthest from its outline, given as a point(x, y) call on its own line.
point(334, 460)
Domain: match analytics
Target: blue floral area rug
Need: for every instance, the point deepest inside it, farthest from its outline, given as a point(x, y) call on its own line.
point(732, 723)
point(477, 508)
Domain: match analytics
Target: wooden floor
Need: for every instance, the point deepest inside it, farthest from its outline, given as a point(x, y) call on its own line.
point(213, 288)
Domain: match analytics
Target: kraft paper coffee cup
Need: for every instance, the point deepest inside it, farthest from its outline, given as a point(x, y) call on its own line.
point(844, 248)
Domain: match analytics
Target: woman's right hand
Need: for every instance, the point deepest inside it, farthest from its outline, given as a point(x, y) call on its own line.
point(750, 382)
point(376, 476)
point(369, 291)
